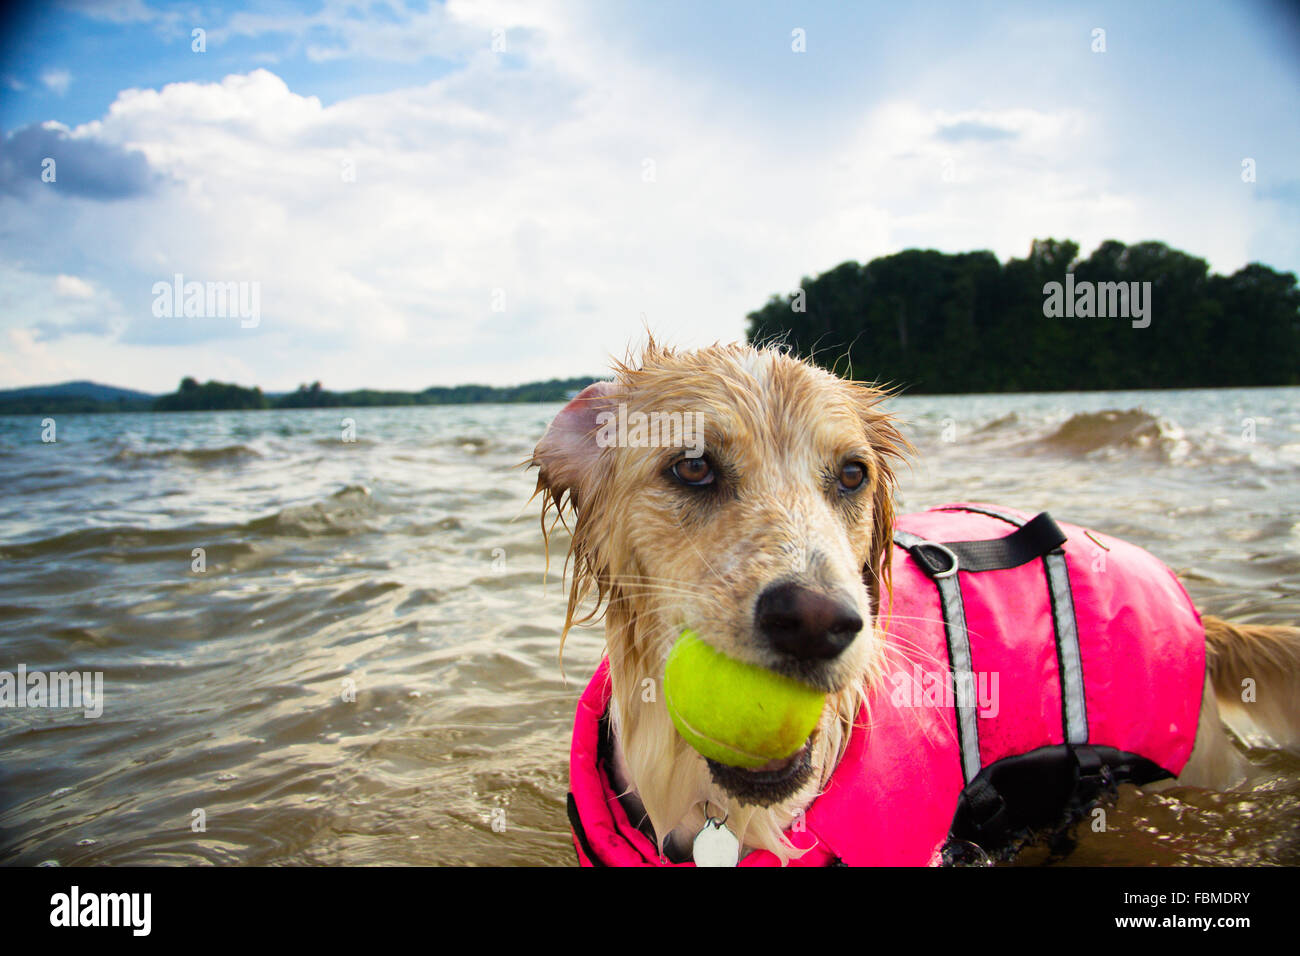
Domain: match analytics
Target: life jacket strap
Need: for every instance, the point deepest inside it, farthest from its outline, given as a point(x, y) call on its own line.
point(959, 655)
point(1045, 790)
point(1033, 539)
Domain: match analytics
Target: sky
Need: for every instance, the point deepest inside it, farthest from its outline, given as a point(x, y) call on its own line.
point(409, 195)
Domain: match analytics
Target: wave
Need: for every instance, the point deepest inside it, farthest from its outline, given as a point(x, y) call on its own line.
point(1114, 432)
point(337, 441)
point(349, 510)
point(116, 540)
point(470, 444)
point(1004, 421)
point(1135, 434)
point(201, 457)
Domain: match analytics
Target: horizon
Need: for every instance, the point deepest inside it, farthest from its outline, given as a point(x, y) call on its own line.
point(324, 387)
point(903, 393)
point(508, 193)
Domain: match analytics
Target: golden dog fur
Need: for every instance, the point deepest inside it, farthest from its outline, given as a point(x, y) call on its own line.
point(657, 558)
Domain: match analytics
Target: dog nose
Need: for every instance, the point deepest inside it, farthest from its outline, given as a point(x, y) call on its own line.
point(806, 624)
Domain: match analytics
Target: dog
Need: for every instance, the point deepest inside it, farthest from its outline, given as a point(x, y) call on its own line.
point(791, 486)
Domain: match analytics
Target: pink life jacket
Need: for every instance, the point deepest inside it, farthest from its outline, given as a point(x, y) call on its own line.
point(1087, 661)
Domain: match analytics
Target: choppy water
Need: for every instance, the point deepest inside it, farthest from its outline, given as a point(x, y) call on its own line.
point(409, 564)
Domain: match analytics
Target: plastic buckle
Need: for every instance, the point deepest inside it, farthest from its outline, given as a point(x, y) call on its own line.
point(923, 559)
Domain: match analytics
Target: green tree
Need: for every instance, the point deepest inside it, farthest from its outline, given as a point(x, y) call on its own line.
point(940, 322)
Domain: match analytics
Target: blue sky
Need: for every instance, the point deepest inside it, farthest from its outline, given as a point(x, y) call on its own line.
point(112, 46)
point(417, 205)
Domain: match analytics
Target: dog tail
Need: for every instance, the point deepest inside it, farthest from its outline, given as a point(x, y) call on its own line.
point(1255, 672)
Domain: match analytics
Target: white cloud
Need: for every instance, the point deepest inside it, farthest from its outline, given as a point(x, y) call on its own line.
point(57, 80)
point(70, 287)
point(54, 308)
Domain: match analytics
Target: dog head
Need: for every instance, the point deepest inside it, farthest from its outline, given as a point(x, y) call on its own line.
point(746, 495)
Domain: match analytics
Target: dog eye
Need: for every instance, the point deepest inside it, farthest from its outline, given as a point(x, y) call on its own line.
point(693, 471)
point(852, 475)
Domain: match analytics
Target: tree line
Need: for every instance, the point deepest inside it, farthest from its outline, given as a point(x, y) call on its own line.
point(964, 322)
point(212, 396)
point(192, 396)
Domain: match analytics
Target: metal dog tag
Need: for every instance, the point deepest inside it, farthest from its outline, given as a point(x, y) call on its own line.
point(715, 845)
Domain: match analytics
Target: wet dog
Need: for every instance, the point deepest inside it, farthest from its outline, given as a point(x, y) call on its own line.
point(768, 530)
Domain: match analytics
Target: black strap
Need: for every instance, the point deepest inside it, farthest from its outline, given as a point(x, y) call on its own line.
point(575, 821)
point(988, 808)
point(1094, 774)
point(1045, 790)
point(1032, 540)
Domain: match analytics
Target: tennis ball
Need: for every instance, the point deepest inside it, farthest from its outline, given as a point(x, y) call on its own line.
point(733, 712)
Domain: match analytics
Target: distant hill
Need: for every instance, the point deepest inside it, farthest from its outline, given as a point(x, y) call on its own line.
point(191, 396)
point(92, 390)
point(72, 397)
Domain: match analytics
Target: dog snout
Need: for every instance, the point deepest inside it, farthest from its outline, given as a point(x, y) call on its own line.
point(806, 624)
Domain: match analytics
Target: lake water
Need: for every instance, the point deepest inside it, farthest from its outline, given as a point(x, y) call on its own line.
point(408, 565)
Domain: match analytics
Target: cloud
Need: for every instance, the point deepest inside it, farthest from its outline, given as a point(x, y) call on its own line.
point(82, 164)
point(70, 287)
point(971, 130)
point(1011, 123)
point(57, 80)
point(384, 231)
point(47, 330)
point(57, 307)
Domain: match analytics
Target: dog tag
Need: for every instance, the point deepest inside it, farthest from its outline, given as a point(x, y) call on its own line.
point(715, 845)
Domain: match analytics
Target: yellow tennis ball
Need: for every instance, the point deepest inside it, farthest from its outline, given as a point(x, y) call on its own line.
point(733, 712)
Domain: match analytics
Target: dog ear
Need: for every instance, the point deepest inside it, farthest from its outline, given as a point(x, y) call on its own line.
point(568, 452)
point(890, 447)
point(879, 564)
